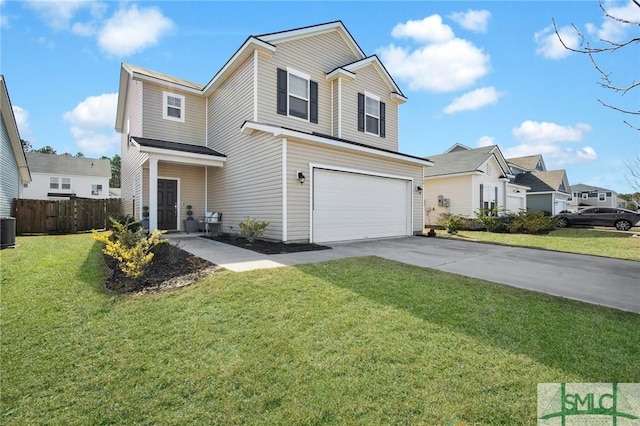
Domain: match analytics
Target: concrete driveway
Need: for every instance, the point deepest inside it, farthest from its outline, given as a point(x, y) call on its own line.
point(609, 282)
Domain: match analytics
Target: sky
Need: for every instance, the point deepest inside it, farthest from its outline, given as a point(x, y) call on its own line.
point(476, 73)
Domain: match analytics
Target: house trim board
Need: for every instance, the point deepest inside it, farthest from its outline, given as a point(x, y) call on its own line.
point(284, 189)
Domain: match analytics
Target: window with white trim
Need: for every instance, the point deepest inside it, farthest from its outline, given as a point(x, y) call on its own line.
point(372, 113)
point(585, 195)
point(297, 95)
point(54, 183)
point(602, 197)
point(96, 189)
point(173, 107)
point(66, 184)
point(488, 169)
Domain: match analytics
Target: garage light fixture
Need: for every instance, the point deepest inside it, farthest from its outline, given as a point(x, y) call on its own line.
point(300, 177)
point(419, 188)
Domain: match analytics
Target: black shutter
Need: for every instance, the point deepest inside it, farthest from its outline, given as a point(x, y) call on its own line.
point(282, 92)
point(382, 121)
point(360, 112)
point(481, 196)
point(313, 101)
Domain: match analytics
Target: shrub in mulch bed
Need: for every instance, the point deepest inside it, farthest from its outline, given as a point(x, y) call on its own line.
point(266, 247)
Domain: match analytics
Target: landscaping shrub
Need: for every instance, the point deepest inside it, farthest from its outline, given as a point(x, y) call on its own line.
point(126, 220)
point(492, 221)
point(252, 228)
point(131, 250)
point(530, 222)
point(452, 224)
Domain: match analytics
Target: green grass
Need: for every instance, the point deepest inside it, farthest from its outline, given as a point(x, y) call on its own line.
point(582, 241)
point(355, 341)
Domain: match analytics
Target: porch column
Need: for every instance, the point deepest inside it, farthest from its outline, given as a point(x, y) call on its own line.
point(153, 194)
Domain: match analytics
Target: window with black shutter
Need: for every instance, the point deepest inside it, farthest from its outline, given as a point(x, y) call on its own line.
point(297, 95)
point(371, 114)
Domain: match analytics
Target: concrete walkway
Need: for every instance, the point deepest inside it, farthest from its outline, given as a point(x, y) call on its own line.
point(609, 282)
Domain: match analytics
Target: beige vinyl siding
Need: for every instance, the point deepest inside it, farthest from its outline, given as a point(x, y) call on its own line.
point(131, 160)
point(250, 182)
point(299, 157)
point(368, 79)
point(315, 56)
point(192, 131)
point(456, 188)
point(10, 182)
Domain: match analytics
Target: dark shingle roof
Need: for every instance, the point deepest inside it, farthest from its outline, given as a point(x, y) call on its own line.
point(177, 146)
point(459, 161)
point(542, 181)
point(67, 165)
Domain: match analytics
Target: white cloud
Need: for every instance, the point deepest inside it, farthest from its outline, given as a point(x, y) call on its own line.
point(58, 14)
point(22, 120)
point(92, 122)
point(612, 30)
point(472, 20)
point(132, 30)
point(485, 141)
point(440, 67)
point(550, 139)
point(550, 47)
point(429, 30)
point(473, 100)
point(84, 29)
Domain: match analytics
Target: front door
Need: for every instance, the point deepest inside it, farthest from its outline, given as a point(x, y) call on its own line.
point(167, 204)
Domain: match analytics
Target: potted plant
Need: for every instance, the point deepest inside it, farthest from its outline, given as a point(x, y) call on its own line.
point(190, 224)
point(145, 217)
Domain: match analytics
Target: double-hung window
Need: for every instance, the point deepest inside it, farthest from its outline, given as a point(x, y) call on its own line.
point(297, 95)
point(96, 189)
point(602, 197)
point(66, 184)
point(173, 107)
point(371, 114)
point(54, 183)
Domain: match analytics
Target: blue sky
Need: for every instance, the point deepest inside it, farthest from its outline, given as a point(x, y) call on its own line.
point(475, 73)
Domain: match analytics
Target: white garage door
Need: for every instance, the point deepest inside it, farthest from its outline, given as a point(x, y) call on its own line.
point(515, 203)
point(353, 206)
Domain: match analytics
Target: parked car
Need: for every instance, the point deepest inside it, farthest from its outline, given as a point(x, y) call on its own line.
point(622, 219)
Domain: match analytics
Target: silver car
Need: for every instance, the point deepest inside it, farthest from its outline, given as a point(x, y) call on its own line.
point(622, 219)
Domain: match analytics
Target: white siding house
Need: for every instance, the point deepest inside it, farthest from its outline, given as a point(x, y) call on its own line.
point(14, 171)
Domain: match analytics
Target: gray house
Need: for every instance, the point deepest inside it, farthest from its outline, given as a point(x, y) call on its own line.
point(298, 128)
point(14, 171)
point(592, 196)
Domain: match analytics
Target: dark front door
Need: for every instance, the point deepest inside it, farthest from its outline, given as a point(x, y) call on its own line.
point(167, 204)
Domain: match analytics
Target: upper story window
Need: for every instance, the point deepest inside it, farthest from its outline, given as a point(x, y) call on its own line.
point(54, 183)
point(297, 95)
point(585, 195)
point(371, 114)
point(173, 107)
point(66, 183)
point(602, 197)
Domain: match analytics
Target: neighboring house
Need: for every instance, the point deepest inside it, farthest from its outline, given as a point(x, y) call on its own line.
point(548, 189)
point(298, 128)
point(63, 176)
point(14, 171)
point(463, 180)
point(592, 196)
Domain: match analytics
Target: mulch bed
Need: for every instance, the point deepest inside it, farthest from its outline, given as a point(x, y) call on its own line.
point(170, 268)
point(266, 247)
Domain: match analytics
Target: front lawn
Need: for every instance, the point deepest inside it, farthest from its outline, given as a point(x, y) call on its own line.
point(355, 341)
point(582, 241)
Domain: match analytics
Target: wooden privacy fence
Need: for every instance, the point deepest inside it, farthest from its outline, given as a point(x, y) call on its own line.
point(63, 216)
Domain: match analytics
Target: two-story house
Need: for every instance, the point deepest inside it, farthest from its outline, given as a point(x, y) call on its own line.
point(298, 128)
point(548, 189)
point(592, 196)
point(464, 180)
point(56, 177)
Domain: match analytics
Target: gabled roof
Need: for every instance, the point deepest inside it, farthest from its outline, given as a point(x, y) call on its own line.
point(547, 181)
point(528, 163)
point(589, 188)
point(354, 66)
point(461, 161)
point(9, 120)
point(67, 165)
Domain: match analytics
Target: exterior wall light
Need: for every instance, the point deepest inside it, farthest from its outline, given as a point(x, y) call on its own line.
point(419, 188)
point(300, 177)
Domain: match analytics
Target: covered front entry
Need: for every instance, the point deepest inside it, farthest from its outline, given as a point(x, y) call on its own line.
point(354, 206)
point(167, 204)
